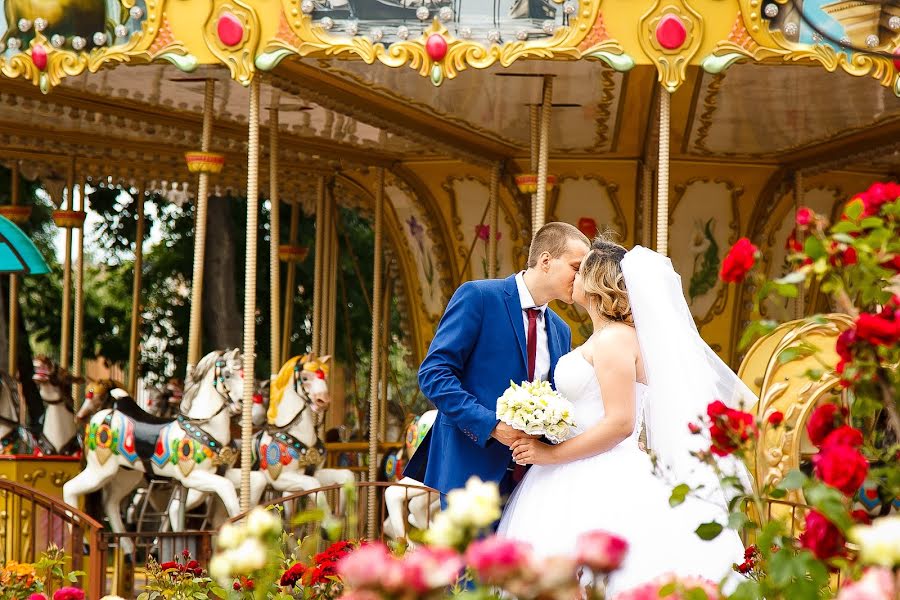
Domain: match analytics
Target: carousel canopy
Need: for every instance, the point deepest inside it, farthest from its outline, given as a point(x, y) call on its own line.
point(18, 254)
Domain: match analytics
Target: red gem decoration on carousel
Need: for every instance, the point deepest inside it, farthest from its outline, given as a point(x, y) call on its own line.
point(897, 59)
point(436, 47)
point(230, 29)
point(39, 56)
point(588, 227)
point(671, 32)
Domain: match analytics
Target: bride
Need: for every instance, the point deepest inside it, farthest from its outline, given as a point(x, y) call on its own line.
point(644, 366)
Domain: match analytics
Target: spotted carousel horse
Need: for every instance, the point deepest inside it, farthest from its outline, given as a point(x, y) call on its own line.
point(418, 502)
point(124, 442)
point(14, 438)
point(60, 432)
point(288, 449)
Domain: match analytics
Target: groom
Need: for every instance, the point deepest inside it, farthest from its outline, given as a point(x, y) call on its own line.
point(494, 331)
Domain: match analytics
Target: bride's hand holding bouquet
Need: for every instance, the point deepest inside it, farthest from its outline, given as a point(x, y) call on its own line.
point(536, 409)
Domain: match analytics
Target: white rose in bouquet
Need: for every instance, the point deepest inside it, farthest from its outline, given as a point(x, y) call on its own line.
point(537, 409)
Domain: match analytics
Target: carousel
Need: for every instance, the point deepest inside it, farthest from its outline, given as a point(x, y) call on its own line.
point(454, 130)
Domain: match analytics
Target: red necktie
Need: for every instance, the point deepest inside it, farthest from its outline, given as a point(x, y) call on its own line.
point(532, 340)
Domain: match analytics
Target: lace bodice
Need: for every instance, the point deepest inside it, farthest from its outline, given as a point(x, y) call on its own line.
point(575, 379)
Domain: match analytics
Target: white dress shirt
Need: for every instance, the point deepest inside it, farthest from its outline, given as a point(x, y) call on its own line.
point(542, 357)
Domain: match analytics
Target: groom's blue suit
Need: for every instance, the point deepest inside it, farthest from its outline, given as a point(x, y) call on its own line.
point(479, 347)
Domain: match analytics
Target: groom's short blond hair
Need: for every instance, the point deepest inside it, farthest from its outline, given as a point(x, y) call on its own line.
point(554, 238)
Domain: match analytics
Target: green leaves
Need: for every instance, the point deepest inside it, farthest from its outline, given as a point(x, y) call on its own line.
point(709, 531)
point(679, 494)
point(794, 480)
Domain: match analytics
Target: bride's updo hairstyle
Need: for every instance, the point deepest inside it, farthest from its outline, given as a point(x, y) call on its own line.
point(603, 282)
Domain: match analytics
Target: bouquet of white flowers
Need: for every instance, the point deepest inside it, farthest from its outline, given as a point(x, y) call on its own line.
point(537, 409)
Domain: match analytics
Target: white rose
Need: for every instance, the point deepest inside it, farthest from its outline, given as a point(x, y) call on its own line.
point(230, 536)
point(220, 567)
point(249, 556)
point(443, 531)
point(261, 522)
point(879, 543)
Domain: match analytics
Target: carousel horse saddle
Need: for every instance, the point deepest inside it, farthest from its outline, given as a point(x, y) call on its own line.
point(146, 426)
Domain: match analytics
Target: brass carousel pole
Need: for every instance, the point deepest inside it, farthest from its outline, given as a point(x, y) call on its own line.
point(331, 307)
point(65, 329)
point(317, 273)
point(662, 189)
point(800, 300)
point(493, 218)
point(289, 285)
point(326, 298)
point(134, 345)
point(535, 115)
point(250, 293)
point(544, 154)
point(77, 338)
point(376, 355)
point(274, 242)
point(646, 205)
point(13, 287)
point(194, 330)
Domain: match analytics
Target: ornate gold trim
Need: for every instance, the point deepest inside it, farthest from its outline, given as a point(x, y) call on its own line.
point(671, 63)
point(586, 36)
point(751, 38)
point(154, 41)
point(239, 57)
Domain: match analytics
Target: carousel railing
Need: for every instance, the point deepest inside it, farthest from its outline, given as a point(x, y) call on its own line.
point(358, 451)
point(31, 521)
point(352, 518)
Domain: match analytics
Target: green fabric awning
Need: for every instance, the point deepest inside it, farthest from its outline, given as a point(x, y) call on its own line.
point(18, 254)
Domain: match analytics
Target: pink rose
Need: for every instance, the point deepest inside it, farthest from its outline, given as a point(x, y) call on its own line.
point(496, 559)
point(431, 568)
point(650, 591)
point(37, 597)
point(371, 566)
point(877, 583)
point(68, 593)
point(556, 573)
point(600, 551)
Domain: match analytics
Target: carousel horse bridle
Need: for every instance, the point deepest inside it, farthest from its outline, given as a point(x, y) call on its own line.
point(301, 393)
point(221, 388)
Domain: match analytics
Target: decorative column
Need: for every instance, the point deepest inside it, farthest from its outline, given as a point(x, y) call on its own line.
point(375, 373)
point(534, 119)
point(493, 220)
point(67, 217)
point(333, 255)
point(250, 294)
point(290, 254)
point(204, 163)
point(274, 243)
point(544, 154)
point(135, 343)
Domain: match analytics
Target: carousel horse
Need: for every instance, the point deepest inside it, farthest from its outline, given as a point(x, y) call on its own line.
point(14, 438)
point(288, 449)
point(60, 432)
point(124, 443)
point(418, 502)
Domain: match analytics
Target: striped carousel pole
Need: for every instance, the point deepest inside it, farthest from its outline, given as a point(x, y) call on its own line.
point(249, 354)
point(135, 340)
point(375, 373)
point(274, 243)
point(78, 333)
point(13, 337)
point(493, 220)
point(543, 155)
point(662, 189)
point(292, 255)
point(66, 327)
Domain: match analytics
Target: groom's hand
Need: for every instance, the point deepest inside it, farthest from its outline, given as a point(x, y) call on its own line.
point(506, 435)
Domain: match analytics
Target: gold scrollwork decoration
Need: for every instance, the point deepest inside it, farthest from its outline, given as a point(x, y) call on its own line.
point(671, 58)
point(46, 66)
point(232, 34)
point(299, 35)
point(751, 38)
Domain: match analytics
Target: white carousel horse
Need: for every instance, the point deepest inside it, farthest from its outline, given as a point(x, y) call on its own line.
point(14, 438)
point(59, 434)
point(399, 500)
point(289, 450)
point(124, 442)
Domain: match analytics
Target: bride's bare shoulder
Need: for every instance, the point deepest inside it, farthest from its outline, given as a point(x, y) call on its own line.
point(615, 338)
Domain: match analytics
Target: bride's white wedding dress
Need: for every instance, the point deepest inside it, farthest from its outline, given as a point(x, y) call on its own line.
point(615, 491)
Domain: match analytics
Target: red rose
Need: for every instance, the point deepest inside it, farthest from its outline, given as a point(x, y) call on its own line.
point(739, 261)
point(877, 196)
point(823, 421)
point(860, 516)
point(729, 429)
point(236, 586)
point(843, 436)
point(881, 329)
point(750, 551)
point(293, 575)
point(821, 537)
point(893, 264)
point(841, 256)
point(168, 565)
point(842, 467)
point(68, 593)
point(804, 217)
point(775, 418)
point(694, 428)
point(793, 244)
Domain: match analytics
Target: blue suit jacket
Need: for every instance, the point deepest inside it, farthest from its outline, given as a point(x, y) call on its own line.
point(479, 347)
